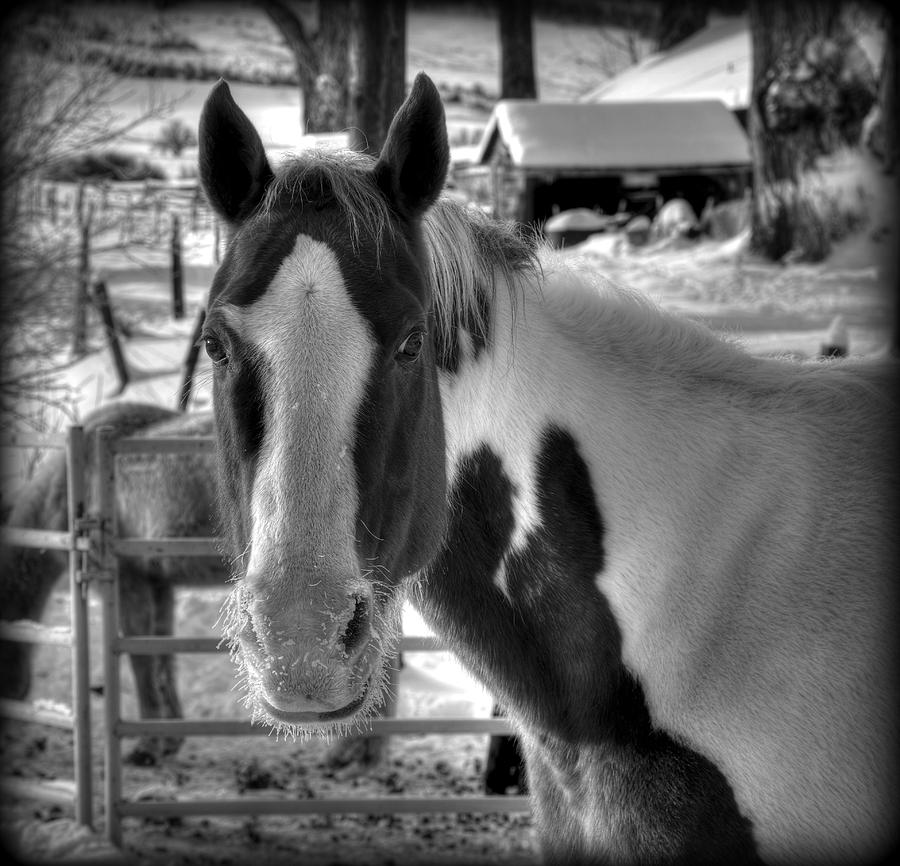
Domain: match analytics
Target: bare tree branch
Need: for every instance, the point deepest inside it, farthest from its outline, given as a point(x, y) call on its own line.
point(52, 106)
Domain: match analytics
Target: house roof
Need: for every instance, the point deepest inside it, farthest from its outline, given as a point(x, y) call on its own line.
point(714, 63)
point(616, 136)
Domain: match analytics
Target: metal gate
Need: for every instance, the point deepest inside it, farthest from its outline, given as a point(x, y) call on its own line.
point(94, 548)
point(108, 547)
point(77, 542)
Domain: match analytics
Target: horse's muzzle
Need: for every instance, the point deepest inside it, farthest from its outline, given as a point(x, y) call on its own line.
point(300, 717)
point(306, 662)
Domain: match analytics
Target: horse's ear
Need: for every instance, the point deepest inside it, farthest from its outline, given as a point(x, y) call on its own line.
point(413, 164)
point(233, 165)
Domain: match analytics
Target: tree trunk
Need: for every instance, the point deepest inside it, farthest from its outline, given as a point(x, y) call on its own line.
point(517, 79)
point(351, 63)
point(890, 162)
point(377, 64)
point(812, 88)
point(320, 49)
point(330, 109)
point(887, 97)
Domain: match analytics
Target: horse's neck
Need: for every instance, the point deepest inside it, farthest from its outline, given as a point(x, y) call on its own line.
point(632, 524)
point(538, 436)
point(559, 363)
point(570, 446)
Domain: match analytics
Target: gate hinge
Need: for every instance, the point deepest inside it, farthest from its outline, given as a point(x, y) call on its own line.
point(86, 525)
point(89, 575)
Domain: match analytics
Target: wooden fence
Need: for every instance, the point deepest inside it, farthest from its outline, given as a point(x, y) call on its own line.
point(149, 214)
point(96, 535)
point(137, 209)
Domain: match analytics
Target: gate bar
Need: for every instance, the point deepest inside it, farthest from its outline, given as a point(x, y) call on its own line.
point(106, 531)
point(166, 546)
point(58, 791)
point(53, 716)
point(21, 439)
point(330, 806)
point(415, 725)
point(16, 536)
point(78, 594)
point(165, 445)
point(153, 645)
point(29, 631)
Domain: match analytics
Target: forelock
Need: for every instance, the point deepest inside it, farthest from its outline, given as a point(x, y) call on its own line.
point(342, 177)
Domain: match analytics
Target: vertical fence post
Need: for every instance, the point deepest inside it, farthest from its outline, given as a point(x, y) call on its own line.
point(190, 362)
point(177, 275)
point(126, 223)
point(156, 205)
point(37, 194)
point(101, 300)
point(52, 204)
point(195, 207)
point(78, 589)
point(106, 473)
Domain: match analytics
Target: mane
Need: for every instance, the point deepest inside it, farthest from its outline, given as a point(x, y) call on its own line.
point(467, 254)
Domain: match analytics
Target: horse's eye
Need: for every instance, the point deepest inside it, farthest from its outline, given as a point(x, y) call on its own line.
point(215, 350)
point(411, 347)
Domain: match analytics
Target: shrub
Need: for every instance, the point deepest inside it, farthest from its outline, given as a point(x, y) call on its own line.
point(102, 165)
point(175, 137)
point(804, 220)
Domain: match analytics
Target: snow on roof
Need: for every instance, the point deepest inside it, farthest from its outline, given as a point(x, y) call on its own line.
point(714, 63)
point(612, 136)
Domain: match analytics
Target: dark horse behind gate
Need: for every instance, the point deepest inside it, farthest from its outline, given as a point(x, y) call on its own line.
point(671, 561)
point(157, 496)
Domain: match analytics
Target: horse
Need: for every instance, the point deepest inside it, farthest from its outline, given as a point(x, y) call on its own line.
point(157, 496)
point(669, 560)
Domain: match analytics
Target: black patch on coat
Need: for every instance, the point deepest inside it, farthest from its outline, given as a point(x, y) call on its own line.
point(550, 648)
point(254, 255)
point(247, 396)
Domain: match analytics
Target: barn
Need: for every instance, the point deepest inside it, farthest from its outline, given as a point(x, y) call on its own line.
point(538, 158)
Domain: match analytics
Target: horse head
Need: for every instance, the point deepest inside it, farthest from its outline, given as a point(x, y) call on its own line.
point(328, 418)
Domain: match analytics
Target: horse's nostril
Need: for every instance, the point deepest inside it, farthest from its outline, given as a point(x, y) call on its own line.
point(357, 629)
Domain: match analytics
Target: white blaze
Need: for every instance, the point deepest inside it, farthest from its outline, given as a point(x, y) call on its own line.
point(316, 350)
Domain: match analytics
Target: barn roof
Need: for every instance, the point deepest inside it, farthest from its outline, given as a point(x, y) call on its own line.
point(616, 136)
point(714, 63)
